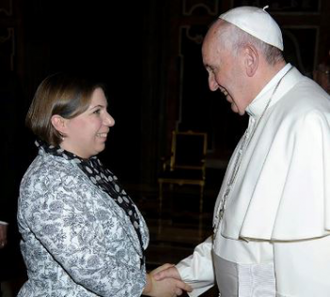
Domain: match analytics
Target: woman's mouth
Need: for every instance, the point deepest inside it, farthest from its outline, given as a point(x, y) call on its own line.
point(102, 135)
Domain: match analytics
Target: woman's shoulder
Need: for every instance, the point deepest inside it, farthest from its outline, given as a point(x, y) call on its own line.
point(50, 178)
point(49, 168)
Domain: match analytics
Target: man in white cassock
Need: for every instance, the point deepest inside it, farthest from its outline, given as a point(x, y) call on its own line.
point(272, 215)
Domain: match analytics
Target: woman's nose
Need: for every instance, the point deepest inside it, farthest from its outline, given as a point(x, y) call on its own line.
point(109, 120)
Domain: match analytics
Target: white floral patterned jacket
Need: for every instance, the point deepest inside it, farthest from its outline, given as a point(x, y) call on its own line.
point(76, 241)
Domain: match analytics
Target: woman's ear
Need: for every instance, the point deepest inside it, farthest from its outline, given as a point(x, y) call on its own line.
point(59, 123)
point(251, 60)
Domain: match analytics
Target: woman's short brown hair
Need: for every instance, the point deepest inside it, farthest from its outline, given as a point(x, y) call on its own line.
point(58, 94)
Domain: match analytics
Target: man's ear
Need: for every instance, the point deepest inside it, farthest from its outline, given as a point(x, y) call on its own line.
point(59, 123)
point(251, 60)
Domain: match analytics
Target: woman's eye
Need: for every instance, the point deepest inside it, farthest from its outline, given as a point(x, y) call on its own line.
point(97, 111)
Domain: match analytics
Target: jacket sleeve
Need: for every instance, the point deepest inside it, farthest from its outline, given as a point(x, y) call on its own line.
point(197, 269)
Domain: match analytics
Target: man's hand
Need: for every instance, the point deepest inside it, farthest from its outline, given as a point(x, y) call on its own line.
point(3, 235)
point(167, 287)
point(169, 272)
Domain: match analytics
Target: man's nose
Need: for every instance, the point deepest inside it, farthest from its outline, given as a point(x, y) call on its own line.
point(213, 85)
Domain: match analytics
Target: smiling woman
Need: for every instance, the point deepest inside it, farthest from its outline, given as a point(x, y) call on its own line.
point(82, 235)
point(85, 134)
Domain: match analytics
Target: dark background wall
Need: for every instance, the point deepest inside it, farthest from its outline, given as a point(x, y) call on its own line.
point(175, 81)
point(96, 38)
point(148, 53)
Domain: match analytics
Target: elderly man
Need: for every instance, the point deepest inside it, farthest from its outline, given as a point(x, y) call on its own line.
point(272, 216)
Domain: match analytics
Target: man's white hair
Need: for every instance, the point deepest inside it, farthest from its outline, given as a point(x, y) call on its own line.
point(237, 39)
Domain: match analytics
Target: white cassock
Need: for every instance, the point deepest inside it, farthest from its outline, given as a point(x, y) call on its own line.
point(273, 239)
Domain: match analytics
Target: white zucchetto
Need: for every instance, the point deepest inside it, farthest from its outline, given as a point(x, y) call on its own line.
point(257, 22)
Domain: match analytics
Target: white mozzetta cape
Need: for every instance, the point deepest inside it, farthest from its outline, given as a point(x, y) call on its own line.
point(282, 190)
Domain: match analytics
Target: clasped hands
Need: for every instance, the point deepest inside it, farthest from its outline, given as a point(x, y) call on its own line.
point(165, 281)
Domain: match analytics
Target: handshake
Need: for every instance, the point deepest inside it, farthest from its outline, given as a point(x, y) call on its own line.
point(165, 281)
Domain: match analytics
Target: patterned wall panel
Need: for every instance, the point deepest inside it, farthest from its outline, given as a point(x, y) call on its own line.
point(197, 7)
point(7, 48)
point(192, 78)
point(283, 6)
point(6, 7)
point(300, 47)
point(199, 108)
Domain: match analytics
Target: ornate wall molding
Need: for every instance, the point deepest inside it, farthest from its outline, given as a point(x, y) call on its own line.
point(6, 7)
point(301, 7)
point(7, 48)
point(301, 47)
point(189, 37)
point(190, 7)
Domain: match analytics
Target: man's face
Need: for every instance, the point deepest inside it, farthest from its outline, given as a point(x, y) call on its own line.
point(225, 71)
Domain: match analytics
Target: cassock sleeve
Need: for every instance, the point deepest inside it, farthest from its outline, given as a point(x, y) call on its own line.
point(197, 269)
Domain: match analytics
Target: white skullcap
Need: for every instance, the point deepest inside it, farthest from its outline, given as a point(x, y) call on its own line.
point(257, 22)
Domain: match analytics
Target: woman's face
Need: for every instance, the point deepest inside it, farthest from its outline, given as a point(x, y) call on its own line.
point(86, 134)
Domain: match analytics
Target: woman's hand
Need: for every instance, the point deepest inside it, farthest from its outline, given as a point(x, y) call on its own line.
point(167, 287)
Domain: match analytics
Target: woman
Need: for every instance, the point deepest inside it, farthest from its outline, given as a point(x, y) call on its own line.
point(82, 235)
